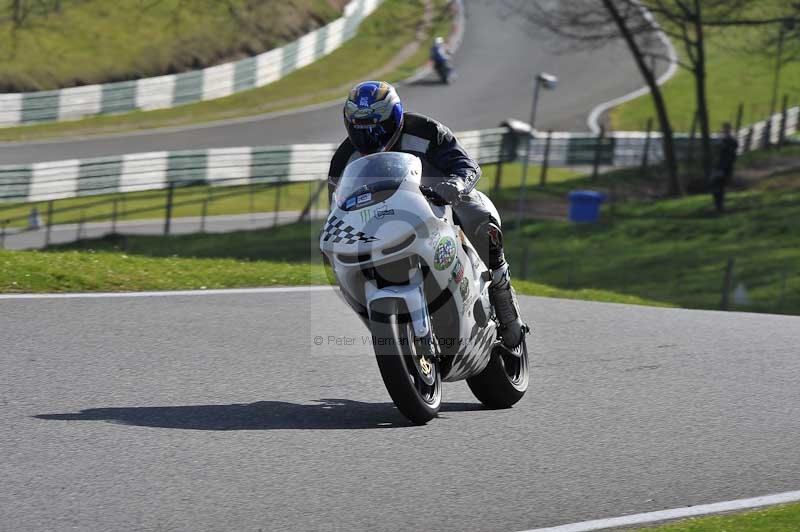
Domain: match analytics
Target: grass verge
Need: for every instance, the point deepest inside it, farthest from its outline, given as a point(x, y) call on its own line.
point(734, 75)
point(777, 519)
point(676, 251)
point(383, 34)
point(671, 252)
point(234, 260)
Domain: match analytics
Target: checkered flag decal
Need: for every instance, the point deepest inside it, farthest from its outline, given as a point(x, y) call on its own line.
point(336, 231)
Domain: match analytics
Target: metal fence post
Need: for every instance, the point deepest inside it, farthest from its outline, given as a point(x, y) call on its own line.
point(784, 119)
point(114, 214)
point(313, 201)
point(692, 137)
point(598, 147)
point(79, 230)
point(646, 154)
point(252, 204)
point(277, 205)
point(168, 213)
point(498, 176)
point(546, 162)
point(766, 135)
point(3, 234)
point(726, 284)
point(739, 117)
point(203, 215)
point(49, 226)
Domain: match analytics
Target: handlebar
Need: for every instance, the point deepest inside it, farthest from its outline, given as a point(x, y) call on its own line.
point(432, 196)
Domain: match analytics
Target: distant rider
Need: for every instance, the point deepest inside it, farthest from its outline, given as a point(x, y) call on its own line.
point(375, 122)
point(441, 60)
point(439, 54)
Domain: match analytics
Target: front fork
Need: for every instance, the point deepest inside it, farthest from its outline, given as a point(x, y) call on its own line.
point(413, 296)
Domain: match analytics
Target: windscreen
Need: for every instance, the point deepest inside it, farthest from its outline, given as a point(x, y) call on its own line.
point(373, 178)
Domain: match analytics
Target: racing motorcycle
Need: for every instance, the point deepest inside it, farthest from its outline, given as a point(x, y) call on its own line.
point(405, 267)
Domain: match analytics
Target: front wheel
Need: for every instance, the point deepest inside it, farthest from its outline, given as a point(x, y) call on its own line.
point(505, 380)
point(412, 379)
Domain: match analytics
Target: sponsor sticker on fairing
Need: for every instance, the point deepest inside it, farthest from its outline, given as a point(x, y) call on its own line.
point(444, 254)
point(458, 272)
point(365, 198)
point(350, 203)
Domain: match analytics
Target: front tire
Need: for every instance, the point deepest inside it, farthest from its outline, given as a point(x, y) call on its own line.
point(504, 381)
point(417, 394)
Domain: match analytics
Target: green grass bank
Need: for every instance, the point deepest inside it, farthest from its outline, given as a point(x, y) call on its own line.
point(385, 33)
point(83, 42)
point(735, 75)
point(288, 257)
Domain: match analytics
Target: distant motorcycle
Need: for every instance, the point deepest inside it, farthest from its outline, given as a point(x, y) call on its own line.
point(408, 271)
point(441, 61)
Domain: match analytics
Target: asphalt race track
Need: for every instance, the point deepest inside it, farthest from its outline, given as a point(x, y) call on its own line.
point(219, 412)
point(496, 65)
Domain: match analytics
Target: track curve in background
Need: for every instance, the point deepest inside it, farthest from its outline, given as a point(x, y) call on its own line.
point(496, 64)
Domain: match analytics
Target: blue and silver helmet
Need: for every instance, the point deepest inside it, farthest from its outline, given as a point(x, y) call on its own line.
point(373, 115)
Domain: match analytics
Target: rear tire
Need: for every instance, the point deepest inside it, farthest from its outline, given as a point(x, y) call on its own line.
point(417, 395)
point(504, 381)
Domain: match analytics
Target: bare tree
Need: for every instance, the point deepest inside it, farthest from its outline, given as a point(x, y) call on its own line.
point(597, 22)
point(589, 24)
point(779, 44)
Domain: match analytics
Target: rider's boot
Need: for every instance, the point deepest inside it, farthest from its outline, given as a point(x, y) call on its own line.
point(501, 294)
point(506, 307)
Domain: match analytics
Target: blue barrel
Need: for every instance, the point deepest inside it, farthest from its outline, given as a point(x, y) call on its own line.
point(584, 205)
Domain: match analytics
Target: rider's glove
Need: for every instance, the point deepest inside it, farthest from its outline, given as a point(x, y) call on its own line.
point(450, 191)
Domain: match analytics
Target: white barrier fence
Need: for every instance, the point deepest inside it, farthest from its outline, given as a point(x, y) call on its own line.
point(309, 162)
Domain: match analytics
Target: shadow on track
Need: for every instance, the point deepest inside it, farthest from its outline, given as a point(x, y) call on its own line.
point(263, 415)
point(428, 81)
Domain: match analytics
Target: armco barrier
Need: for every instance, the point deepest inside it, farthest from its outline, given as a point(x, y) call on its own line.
point(164, 92)
point(217, 166)
point(309, 162)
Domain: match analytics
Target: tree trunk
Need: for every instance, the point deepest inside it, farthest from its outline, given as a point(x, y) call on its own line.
point(19, 8)
point(702, 99)
point(675, 187)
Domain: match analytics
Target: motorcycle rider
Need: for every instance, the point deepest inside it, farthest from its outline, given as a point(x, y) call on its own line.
point(439, 54)
point(376, 122)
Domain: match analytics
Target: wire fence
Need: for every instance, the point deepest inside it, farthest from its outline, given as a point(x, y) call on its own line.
point(249, 170)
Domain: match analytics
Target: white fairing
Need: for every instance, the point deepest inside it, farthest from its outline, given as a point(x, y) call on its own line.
point(405, 228)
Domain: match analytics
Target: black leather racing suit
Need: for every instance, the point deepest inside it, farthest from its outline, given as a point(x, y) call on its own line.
point(441, 154)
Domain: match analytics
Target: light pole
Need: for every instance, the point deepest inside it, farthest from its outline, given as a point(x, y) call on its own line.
point(550, 82)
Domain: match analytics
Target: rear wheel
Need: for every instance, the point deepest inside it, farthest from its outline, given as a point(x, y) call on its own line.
point(505, 379)
point(413, 379)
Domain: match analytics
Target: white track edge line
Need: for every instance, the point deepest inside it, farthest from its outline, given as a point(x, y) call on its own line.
point(675, 513)
point(171, 293)
point(594, 117)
